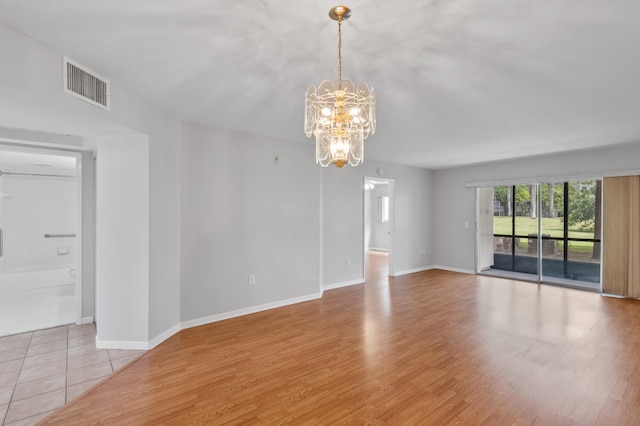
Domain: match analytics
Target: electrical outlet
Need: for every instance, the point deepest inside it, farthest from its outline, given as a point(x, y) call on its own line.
point(252, 280)
point(276, 159)
point(348, 261)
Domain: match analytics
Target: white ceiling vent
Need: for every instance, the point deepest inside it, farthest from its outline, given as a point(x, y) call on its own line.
point(85, 84)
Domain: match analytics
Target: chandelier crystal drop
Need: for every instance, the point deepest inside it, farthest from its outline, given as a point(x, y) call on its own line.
point(340, 114)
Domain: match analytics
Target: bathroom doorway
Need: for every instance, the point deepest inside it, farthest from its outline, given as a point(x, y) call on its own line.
point(40, 238)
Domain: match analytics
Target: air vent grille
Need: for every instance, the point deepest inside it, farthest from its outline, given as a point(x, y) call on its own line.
point(85, 84)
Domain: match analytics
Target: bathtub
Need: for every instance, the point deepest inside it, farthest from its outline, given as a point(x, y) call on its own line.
point(32, 300)
point(34, 280)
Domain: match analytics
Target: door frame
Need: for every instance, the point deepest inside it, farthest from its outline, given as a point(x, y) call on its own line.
point(391, 263)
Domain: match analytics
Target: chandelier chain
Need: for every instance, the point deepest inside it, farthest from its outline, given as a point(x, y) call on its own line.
point(340, 50)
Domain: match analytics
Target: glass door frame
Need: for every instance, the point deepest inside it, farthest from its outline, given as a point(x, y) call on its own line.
point(597, 239)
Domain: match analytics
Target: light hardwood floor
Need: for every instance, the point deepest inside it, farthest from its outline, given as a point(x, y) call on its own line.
point(434, 347)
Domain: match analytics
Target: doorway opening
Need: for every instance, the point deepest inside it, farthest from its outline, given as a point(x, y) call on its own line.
point(378, 226)
point(40, 238)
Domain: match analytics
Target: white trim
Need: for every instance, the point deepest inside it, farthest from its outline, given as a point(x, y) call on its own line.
point(87, 320)
point(46, 139)
point(615, 296)
point(115, 344)
point(246, 311)
point(392, 226)
point(547, 179)
point(412, 271)
point(342, 284)
point(392, 203)
point(320, 230)
point(450, 269)
point(79, 236)
point(163, 336)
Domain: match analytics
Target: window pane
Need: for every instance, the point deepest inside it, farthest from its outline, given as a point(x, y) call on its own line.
point(552, 198)
point(383, 205)
point(582, 208)
point(502, 211)
point(581, 264)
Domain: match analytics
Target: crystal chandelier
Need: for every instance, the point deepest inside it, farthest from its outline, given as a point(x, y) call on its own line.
point(340, 114)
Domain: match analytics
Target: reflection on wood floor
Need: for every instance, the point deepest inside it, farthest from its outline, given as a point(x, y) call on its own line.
point(434, 347)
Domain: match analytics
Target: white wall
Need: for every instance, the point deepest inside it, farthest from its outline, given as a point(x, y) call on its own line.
point(31, 97)
point(455, 203)
point(244, 215)
point(343, 216)
point(122, 241)
point(37, 205)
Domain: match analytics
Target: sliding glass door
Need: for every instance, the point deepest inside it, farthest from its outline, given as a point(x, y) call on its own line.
point(571, 228)
point(546, 231)
point(515, 229)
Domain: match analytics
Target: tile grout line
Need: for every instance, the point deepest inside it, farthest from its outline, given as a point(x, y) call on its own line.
point(66, 370)
point(67, 332)
point(24, 358)
point(16, 383)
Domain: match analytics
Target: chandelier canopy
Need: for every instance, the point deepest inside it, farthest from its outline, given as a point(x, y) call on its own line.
point(340, 114)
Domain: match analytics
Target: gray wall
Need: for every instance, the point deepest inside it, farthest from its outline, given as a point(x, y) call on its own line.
point(88, 235)
point(343, 216)
point(243, 215)
point(280, 245)
point(455, 203)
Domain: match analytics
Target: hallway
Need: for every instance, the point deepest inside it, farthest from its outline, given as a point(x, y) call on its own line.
point(377, 266)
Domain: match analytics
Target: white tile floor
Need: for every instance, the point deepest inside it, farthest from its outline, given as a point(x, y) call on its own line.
point(43, 370)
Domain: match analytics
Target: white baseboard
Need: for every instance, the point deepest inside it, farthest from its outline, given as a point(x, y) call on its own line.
point(378, 249)
point(342, 284)
point(164, 336)
point(114, 344)
point(87, 320)
point(447, 268)
point(616, 296)
point(413, 271)
point(247, 311)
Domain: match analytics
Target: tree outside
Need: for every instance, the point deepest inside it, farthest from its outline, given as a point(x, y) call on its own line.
point(584, 218)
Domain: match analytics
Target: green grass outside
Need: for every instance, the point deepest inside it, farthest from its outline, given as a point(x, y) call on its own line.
point(553, 227)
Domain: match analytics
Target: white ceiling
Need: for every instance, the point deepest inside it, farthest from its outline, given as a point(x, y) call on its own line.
point(457, 82)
